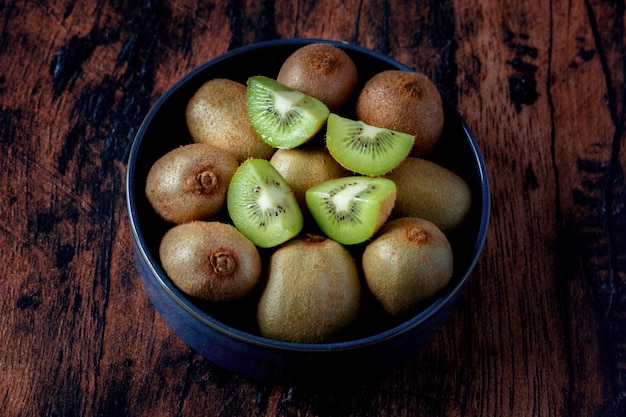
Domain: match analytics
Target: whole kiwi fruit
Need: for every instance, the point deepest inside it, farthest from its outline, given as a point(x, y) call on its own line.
point(323, 71)
point(305, 166)
point(404, 101)
point(312, 293)
point(430, 191)
point(408, 262)
point(190, 182)
point(217, 114)
point(210, 261)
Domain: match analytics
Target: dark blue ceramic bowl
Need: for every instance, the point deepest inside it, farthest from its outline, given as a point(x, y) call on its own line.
point(227, 338)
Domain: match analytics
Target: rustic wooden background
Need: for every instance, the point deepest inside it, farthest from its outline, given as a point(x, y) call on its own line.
point(541, 330)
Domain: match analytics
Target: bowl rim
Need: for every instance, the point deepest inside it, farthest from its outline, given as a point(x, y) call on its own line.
point(253, 339)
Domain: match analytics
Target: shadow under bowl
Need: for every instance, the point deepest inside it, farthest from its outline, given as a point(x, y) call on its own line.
point(232, 344)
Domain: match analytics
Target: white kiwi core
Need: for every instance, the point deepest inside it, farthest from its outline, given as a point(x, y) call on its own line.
point(284, 101)
point(270, 198)
point(343, 198)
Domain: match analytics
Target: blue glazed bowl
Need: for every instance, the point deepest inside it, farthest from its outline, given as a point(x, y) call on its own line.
point(227, 338)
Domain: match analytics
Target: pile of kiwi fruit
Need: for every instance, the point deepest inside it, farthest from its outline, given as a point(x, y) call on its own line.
point(310, 200)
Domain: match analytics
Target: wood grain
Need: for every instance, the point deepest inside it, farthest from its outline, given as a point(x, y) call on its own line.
point(541, 330)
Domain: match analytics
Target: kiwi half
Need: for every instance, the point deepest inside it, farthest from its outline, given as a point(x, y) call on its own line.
point(366, 149)
point(261, 204)
point(282, 116)
point(350, 210)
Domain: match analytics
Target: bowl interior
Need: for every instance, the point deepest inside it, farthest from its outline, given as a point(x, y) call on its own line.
point(164, 129)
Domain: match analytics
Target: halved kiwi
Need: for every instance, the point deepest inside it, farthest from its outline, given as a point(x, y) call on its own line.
point(261, 204)
point(350, 210)
point(366, 149)
point(282, 116)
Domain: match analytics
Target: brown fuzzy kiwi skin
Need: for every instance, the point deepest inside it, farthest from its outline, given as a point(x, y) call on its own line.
point(323, 71)
point(405, 101)
point(408, 262)
point(304, 167)
point(190, 182)
point(312, 294)
point(217, 114)
point(430, 191)
point(210, 261)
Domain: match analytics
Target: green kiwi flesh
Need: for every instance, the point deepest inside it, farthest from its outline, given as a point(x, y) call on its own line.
point(262, 205)
point(312, 293)
point(210, 261)
point(351, 209)
point(406, 264)
point(366, 149)
point(283, 117)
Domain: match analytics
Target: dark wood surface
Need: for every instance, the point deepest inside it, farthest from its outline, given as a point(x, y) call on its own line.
point(541, 330)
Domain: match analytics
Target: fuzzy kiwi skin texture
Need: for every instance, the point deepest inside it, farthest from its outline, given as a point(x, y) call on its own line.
point(432, 192)
point(312, 294)
point(408, 262)
point(190, 182)
point(305, 167)
point(217, 114)
point(322, 71)
point(210, 261)
point(405, 101)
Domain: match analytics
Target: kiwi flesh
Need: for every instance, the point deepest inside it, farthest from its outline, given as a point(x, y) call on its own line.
point(217, 114)
point(404, 101)
point(282, 116)
point(312, 294)
point(366, 149)
point(351, 209)
point(190, 182)
point(406, 264)
point(323, 71)
point(262, 205)
point(210, 261)
point(430, 191)
point(304, 167)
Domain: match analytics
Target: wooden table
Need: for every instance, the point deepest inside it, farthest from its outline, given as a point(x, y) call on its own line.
point(541, 330)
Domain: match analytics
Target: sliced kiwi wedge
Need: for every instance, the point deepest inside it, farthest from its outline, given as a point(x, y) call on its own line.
point(350, 210)
point(366, 149)
point(283, 117)
point(261, 204)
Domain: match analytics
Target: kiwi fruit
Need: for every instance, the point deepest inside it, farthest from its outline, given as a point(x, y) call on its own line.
point(404, 101)
point(262, 205)
point(406, 264)
point(351, 209)
point(312, 292)
point(210, 261)
point(323, 71)
point(282, 116)
point(432, 192)
point(304, 167)
point(217, 114)
point(190, 182)
point(365, 149)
